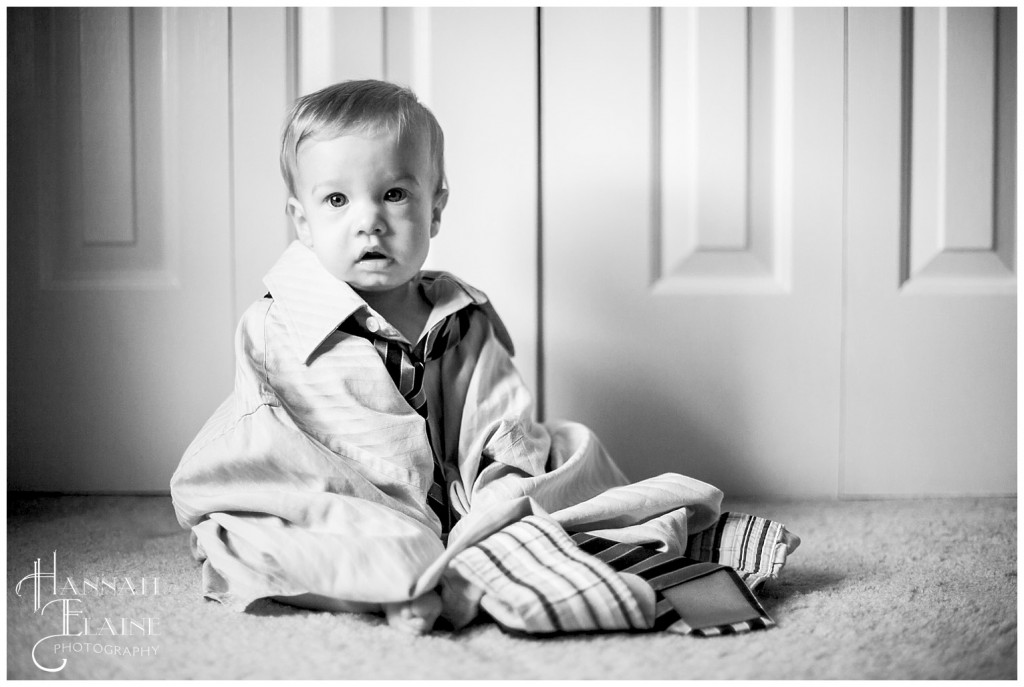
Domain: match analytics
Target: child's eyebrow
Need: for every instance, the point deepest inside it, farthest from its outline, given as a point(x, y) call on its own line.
point(406, 177)
point(322, 185)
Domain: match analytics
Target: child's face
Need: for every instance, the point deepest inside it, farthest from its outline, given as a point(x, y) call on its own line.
point(367, 207)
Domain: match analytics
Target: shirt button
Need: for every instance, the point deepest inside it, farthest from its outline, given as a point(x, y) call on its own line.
point(371, 324)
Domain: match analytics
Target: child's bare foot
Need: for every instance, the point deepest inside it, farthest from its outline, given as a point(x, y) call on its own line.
point(416, 616)
point(790, 540)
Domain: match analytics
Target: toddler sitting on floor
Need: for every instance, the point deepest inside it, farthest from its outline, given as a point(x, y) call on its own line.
point(379, 443)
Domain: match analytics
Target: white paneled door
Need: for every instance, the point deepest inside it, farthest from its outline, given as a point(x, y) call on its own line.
point(771, 248)
point(778, 244)
point(127, 248)
point(931, 363)
point(693, 197)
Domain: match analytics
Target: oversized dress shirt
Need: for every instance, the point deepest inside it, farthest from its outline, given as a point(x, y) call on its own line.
point(312, 476)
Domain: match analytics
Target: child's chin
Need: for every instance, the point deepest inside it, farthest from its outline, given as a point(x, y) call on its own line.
point(378, 283)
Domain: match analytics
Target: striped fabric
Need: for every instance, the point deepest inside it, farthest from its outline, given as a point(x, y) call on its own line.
point(405, 366)
point(753, 546)
point(693, 597)
point(535, 580)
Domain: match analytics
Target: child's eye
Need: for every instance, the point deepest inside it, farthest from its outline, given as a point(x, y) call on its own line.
point(395, 195)
point(337, 200)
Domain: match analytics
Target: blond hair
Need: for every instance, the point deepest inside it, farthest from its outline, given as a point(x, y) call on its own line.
point(368, 107)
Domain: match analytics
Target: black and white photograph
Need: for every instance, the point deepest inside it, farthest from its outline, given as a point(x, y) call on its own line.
point(511, 343)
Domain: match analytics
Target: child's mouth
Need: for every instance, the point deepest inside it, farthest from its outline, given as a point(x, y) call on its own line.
point(371, 255)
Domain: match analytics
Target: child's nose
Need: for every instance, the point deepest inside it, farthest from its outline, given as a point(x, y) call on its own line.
point(370, 219)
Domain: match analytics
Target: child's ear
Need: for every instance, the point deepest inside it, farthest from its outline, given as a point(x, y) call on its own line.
point(440, 200)
point(298, 217)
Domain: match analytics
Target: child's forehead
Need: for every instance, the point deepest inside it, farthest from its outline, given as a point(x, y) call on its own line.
point(360, 153)
point(408, 138)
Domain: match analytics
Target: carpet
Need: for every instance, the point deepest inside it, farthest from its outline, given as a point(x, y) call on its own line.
point(897, 589)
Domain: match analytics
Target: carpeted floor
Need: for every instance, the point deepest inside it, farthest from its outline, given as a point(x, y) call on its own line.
point(878, 589)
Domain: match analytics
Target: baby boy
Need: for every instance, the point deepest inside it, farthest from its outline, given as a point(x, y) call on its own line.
point(350, 309)
point(377, 415)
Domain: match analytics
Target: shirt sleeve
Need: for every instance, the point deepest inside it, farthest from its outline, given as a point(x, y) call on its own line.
point(505, 454)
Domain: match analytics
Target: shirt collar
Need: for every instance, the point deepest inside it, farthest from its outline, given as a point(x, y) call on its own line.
point(449, 294)
point(314, 303)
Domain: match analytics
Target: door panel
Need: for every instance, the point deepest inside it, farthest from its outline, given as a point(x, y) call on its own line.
point(693, 195)
point(930, 363)
point(119, 288)
point(479, 76)
point(262, 90)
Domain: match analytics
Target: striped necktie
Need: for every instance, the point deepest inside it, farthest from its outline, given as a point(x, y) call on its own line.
point(694, 597)
point(405, 366)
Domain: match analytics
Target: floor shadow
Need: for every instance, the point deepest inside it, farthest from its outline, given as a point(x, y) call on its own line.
point(268, 608)
point(274, 609)
point(800, 582)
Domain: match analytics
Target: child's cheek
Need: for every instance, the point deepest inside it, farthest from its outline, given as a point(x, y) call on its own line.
point(401, 211)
